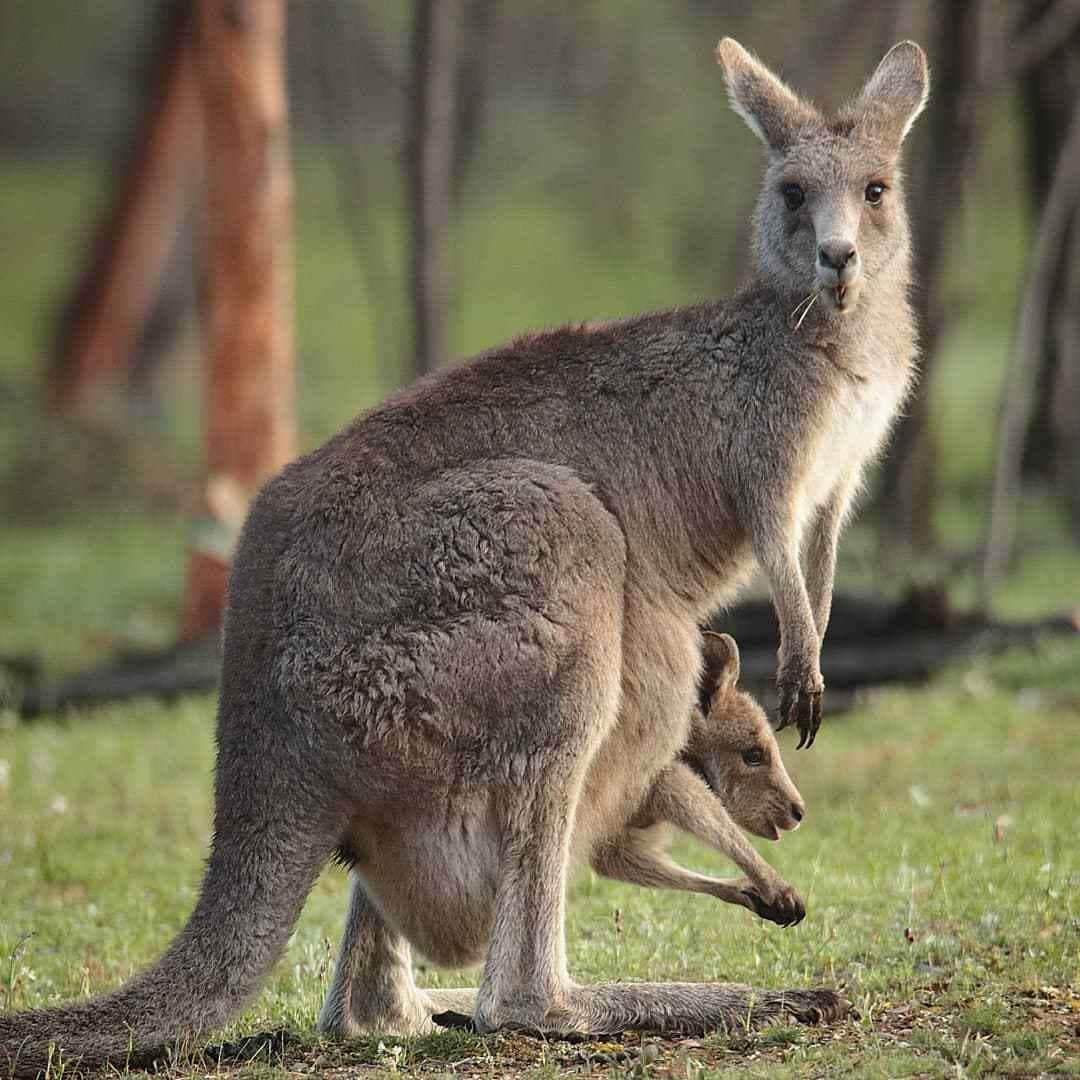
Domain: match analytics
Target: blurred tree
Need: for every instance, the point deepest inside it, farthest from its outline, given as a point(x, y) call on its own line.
point(1050, 89)
point(1048, 279)
point(117, 294)
point(470, 95)
point(336, 53)
point(248, 397)
point(1045, 359)
point(952, 34)
point(436, 60)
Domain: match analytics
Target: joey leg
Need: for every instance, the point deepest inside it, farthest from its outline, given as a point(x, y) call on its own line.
point(681, 797)
point(633, 859)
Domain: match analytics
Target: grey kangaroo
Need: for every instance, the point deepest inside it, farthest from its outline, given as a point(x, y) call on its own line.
point(729, 776)
point(462, 638)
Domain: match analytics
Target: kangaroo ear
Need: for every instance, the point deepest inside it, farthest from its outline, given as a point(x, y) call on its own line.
point(895, 94)
point(774, 112)
point(721, 670)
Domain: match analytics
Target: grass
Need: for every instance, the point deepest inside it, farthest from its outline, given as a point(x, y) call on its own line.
point(939, 864)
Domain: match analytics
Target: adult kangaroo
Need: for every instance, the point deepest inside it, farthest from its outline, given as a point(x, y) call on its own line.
point(462, 636)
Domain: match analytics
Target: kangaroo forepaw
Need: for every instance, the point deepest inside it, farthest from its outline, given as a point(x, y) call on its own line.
point(800, 704)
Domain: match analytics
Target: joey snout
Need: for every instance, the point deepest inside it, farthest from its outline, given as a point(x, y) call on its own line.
point(780, 817)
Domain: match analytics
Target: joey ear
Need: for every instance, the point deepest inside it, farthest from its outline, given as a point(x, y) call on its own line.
point(773, 111)
point(721, 670)
point(895, 94)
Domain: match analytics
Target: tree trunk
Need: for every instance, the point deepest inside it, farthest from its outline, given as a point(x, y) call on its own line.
point(1065, 410)
point(471, 92)
point(1059, 213)
point(116, 293)
point(430, 164)
point(1049, 88)
point(908, 482)
point(248, 396)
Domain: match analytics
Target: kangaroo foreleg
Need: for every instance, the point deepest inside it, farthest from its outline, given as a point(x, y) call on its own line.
point(819, 553)
point(775, 541)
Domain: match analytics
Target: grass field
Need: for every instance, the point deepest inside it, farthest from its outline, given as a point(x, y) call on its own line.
point(939, 861)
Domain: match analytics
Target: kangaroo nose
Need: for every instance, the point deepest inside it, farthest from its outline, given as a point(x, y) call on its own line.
point(797, 811)
point(836, 254)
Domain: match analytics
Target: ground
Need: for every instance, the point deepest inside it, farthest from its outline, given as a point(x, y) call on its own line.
point(939, 864)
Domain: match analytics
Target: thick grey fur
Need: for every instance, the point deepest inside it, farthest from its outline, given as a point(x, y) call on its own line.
point(462, 637)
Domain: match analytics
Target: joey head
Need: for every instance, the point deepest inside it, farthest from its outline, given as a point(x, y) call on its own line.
point(733, 748)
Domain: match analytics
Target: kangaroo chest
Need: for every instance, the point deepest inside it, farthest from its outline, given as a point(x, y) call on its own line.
point(855, 427)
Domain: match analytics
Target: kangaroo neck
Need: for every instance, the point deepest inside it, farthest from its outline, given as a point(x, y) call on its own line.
point(811, 320)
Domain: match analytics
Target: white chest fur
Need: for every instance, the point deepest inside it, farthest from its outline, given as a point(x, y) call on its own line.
point(854, 431)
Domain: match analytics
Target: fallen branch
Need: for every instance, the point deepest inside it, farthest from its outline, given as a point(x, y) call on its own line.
point(870, 643)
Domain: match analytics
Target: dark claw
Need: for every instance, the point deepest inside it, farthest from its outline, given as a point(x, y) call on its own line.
point(786, 716)
point(815, 717)
point(454, 1020)
point(809, 721)
point(773, 914)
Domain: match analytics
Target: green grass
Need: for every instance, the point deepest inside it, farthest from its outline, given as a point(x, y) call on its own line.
point(939, 864)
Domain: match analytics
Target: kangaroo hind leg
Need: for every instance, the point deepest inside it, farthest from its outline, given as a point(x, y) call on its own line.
point(372, 989)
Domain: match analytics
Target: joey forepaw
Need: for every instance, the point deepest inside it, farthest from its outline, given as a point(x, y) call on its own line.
point(780, 904)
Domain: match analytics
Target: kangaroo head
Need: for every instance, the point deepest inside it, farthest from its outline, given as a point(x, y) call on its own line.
point(830, 218)
point(732, 747)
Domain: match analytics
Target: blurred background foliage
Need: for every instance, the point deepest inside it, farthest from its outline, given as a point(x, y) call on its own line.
point(597, 172)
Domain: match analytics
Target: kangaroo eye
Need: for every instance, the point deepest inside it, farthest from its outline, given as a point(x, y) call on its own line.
point(874, 193)
point(794, 196)
point(753, 757)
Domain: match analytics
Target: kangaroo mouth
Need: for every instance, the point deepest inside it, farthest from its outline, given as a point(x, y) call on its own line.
point(842, 296)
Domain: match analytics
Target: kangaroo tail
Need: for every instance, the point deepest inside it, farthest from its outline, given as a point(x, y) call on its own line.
point(272, 835)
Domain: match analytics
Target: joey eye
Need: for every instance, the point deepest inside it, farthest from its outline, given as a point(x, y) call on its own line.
point(794, 196)
point(874, 193)
point(753, 757)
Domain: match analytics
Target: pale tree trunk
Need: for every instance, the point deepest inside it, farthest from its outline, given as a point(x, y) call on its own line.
point(430, 164)
point(249, 428)
point(116, 293)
